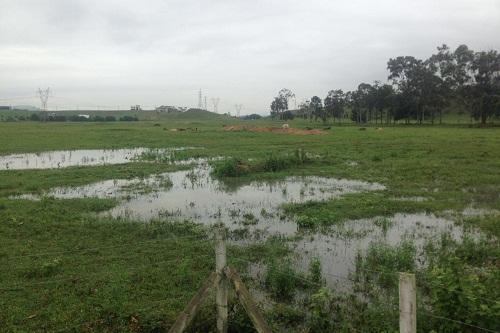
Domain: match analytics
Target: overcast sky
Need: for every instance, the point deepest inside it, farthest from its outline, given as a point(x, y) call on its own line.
point(152, 52)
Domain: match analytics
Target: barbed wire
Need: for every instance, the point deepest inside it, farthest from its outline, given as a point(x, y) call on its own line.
point(391, 305)
point(426, 313)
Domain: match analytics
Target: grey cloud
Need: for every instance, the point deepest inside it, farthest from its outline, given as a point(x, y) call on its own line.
point(161, 52)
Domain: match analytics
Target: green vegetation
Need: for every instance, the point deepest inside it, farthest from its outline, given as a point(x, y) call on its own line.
point(420, 92)
point(65, 266)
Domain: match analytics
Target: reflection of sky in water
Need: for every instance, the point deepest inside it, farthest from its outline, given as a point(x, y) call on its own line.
point(196, 195)
point(337, 250)
point(253, 208)
point(67, 158)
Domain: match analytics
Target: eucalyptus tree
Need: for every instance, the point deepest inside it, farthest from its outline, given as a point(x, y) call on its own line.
point(317, 108)
point(280, 103)
point(335, 102)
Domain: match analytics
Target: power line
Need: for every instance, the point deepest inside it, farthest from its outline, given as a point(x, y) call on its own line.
point(215, 102)
point(238, 108)
point(44, 97)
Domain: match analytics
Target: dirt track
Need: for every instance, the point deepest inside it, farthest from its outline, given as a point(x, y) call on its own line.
point(296, 131)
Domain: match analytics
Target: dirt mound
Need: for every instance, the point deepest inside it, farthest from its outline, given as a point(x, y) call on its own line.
point(296, 131)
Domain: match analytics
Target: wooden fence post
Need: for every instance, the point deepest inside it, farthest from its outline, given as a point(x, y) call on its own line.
point(407, 303)
point(248, 303)
point(222, 286)
point(187, 316)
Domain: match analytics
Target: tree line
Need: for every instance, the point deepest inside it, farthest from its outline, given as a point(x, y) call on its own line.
point(417, 90)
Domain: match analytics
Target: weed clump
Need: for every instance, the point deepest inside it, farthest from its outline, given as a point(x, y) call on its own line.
point(274, 163)
point(281, 279)
point(232, 167)
point(383, 262)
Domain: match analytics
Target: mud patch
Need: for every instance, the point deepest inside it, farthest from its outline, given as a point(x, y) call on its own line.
point(280, 130)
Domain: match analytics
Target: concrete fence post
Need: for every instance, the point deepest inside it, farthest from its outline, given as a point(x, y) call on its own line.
point(407, 303)
point(222, 286)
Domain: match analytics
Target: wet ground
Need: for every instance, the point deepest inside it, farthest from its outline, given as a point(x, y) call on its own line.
point(252, 210)
point(67, 158)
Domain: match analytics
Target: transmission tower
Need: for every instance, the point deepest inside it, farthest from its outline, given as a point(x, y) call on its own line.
point(215, 102)
point(238, 108)
point(200, 105)
point(44, 97)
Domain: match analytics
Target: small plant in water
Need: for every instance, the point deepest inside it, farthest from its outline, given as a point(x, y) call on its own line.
point(315, 270)
point(280, 279)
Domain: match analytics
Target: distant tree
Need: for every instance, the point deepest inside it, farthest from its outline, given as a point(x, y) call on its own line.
point(382, 95)
point(286, 95)
point(486, 90)
point(34, 117)
point(280, 103)
point(278, 106)
point(418, 82)
point(287, 115)
point(362, 103)
point(335, 102)
point(304, 110)
point(470, 77)
point(317, 108)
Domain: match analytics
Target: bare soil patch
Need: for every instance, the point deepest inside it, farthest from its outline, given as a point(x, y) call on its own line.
point(296, 131)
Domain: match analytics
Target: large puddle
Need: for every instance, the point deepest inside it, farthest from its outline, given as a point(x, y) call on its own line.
point(68, 158)
point(194, 194)
point(337, 250)
point(252, 210)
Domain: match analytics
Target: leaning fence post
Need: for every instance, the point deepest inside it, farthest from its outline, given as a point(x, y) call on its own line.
point(407, 303)
point(222, 286)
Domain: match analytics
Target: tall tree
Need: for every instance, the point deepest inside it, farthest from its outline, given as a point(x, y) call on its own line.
point(335, 102)
point(317, 108)
point(486, 92)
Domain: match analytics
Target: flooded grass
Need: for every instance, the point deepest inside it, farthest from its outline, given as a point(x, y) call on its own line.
point(86, 157)
point(367, 202)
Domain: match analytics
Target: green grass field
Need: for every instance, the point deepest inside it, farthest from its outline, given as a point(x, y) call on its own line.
point(64, 268)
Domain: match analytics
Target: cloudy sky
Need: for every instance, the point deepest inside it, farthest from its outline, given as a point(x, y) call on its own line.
point(110, 53)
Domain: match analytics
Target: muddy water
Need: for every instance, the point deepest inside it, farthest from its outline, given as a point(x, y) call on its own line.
point(67, 158)
point(251, 210)
point(337, 250)
point(194, 194)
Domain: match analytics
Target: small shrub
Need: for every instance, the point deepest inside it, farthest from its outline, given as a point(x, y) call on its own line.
point(383, 262)
point(315, 270)
point(129, 118)
point(307, 222)
point(232, 167)
point(281, 280)
point(274, 163)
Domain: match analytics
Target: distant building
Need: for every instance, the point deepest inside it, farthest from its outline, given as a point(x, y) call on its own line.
point(5, 107)
point(86, 116)
point(168, 109)
point(135, 108)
